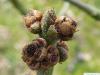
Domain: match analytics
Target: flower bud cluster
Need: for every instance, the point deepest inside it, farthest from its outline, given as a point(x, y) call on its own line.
point(50, 48)
point(65, 26)
point(39, 55)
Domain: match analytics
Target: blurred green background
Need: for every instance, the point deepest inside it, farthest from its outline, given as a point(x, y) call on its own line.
point(84, 49)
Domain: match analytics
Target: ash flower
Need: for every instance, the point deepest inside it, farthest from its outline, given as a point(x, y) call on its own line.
point(51, 58)
point(34, 52)
point(32, 21)
point(63, 51)
point(65, 27)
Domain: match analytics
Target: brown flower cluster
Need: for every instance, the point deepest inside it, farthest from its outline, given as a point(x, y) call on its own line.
point(65, 26)
point(32, 21)
point(39, 54)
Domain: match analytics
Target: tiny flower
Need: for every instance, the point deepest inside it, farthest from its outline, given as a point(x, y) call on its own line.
point(45, 64)
point(36, 14)
point(35, 27)
point(65, 27)
point(63, 51)
point(53, 55)
point(32, 21)
point(34, 65)
point(34, 52)
point(51, 58)
point(43, 54)
point(30, 49)
point(29, 20)
point(30, 52)
point(42, 42)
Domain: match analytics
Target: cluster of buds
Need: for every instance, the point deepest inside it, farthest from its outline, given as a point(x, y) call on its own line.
point(33, 20)
point(65, 26)
point(39, 55)
point(42, 53)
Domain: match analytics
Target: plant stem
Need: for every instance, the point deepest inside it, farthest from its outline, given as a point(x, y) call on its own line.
point(18, 6)
point(46, 20)
point(92, 11)
point(45, 72)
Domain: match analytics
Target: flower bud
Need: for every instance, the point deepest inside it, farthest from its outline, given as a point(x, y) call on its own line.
point(63, 51)
point(32, 21)
point(29, 20)
point(34, 52)
point(51, 58)
point(34, 65)
point(65, 27)
point(53, 55)
point(29, 52)
point(43, 54)
point(45, 64)
point(42, 42)
point(36, 14)
point(35, 27)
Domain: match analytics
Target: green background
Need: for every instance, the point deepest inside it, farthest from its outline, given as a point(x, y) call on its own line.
point(84, 49)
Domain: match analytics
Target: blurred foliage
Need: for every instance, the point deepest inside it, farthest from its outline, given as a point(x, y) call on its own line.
point(84, 51)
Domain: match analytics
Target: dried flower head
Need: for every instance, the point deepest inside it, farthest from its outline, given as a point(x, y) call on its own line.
point(63, 51)
point(65, 27)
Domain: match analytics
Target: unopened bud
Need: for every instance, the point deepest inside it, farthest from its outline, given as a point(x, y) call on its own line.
point(33, 20)
point(65, 27)
point(63, 51)
point(33, 53)
point(35, 27)
point(53, 55)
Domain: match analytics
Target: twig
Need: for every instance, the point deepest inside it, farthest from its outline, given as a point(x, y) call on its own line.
point(45, 72)
point(18, 6)
point(92, 11)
